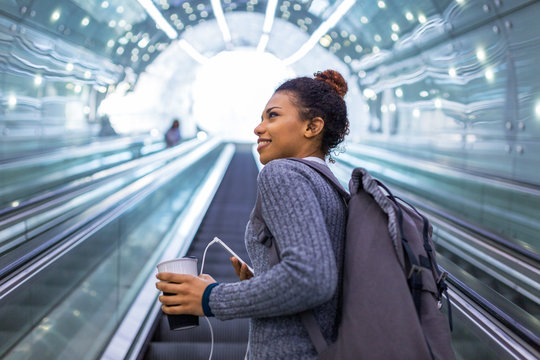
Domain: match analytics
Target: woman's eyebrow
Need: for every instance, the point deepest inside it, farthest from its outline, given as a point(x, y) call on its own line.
point(270, 109)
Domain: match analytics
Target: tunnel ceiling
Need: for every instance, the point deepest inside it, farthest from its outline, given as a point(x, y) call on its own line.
point(121, 30)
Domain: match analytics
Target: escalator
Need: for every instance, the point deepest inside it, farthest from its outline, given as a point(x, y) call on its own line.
point(65, 300)
point(226, 218)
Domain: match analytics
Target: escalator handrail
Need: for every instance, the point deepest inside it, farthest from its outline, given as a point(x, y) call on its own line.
point(525, 334)
point(101, 215)
point(74, 151)
point(99, 176)
point(430, 166)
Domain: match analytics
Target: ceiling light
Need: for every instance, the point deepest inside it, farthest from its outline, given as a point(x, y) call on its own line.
point(85, 21)
point(220, 17)
point(105, 4)
point(422, 18)
point(394, 37)
point(381, 4)
point(490, 75)
point(160, 21)
point(399, 92)
point(69, 67)
point(364, 20)
point(332, 20)
point(55, 15)
point(12, 101)
point(38, 79)
point(481, 54)
point(409, 16)
point(395, 27)
point(452, 72)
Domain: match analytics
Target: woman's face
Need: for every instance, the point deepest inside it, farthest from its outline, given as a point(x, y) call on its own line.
point(281, 131)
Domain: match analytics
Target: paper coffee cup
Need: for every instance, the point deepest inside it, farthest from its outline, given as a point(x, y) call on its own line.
point(185, 265)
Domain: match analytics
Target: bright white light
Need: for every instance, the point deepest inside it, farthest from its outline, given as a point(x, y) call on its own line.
point(231, 90)
point(422, 18)
point(105, 4)
point(452, 72)
point(161, 22)
point(86, 110)
point(460, 1)
point(369, 93)
point(470, 138)
point(191, 51)
point(376, 49)
point(399, 92)
point(489, 75)
point(332, 20)
point(102, 89)
point(481, 54)
point(12, 101)
point(77, 89)
point(381, 4)
point(395, 37)
point(392, 107)
point(85, 21)
point(424, 93)
point(437, 103)
point(112, 23)
point(409, 16)
point(416, 113)
point(267, 26)
point(395, 27)
point(15, 204)
point(364, 20)
point(377, 37)
point(201, 136)
point(110, 43)
point(55, 15)
point(120, 9)
point(144, 41)
point(69, 67)
point(537, 110)
point(220, 17)
point(38, 79)
point(384, 109)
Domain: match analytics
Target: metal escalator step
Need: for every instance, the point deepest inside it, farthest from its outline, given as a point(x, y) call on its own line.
point(224, 331)
point(195, 351)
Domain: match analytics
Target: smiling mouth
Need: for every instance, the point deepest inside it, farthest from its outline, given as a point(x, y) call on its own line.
point(262, 143)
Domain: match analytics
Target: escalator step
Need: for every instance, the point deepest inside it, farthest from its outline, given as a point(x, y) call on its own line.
point(224, 331)
point(195, 351)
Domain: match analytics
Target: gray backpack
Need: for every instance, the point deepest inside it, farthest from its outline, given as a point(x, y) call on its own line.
point(392, 286)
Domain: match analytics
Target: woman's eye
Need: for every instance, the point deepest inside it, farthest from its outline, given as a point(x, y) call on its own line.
point(272, 114)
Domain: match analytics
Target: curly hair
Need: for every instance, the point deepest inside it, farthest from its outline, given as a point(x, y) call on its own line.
point(322, 96)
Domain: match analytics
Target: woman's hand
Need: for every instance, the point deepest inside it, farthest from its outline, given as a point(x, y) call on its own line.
point(186, 292)
point(241, 269)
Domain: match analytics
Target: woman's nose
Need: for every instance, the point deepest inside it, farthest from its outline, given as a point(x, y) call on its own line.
point(259, 129)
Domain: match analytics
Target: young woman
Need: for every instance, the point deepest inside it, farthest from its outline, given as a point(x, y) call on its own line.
point(305, 118)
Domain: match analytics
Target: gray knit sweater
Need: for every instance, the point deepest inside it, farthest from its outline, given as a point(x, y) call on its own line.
point(307, 218)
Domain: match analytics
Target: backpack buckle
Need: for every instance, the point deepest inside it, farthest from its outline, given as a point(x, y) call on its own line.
point(415, 269)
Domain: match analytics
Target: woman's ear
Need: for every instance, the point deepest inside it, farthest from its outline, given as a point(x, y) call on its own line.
point(314, 127)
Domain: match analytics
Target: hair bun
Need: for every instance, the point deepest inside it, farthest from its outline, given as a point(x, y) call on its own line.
point(334, 79)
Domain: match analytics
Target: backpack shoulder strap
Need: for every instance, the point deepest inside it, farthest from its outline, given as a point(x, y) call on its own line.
point(327, 174)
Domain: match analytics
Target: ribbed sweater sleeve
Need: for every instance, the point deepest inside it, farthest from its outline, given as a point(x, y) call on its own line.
point(307, 273)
